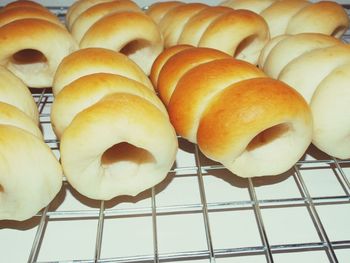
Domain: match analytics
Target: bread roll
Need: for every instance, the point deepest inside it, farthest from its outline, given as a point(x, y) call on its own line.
point(117, 25)
point(24, 188)
point(297, 16)
point(33, 42)
point(78, 7)
point(132, 143)
point(252, 124)
point(241, 34)
point(318, 70)
point(86, 19)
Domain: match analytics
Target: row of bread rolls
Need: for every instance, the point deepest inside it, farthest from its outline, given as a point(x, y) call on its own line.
point(115, 134)
point(30, 174)
point(318, 67)
point(119, 25)
point(297, 16)
point(252, 124)
point(32, 42)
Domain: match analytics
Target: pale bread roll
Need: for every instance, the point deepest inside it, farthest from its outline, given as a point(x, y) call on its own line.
point(317, 66)
point(33, 41)
point(26, 188)
point(133, 144)
point(119, 25)
point(30, 174)
point(297, 16)
point(32, 48)
point(86, 19)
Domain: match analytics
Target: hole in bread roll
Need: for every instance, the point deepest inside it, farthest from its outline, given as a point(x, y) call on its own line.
point(124, 159)
point(268, 136)
point(243, 45)
point(2, 189)
point(338, 32)
point(28, 56)
point(134, 46)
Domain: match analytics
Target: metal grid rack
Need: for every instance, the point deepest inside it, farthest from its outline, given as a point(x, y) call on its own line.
point(200, 213)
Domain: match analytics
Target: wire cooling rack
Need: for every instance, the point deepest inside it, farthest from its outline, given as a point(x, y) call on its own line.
point(200, 213)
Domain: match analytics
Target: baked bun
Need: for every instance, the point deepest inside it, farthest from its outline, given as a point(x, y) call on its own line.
point(252, 124)
point(90, 16)
point(241, 34)
point(24, 188)
point(78, 7)
point(32, 42)
point(117, 25)
point(132, 143)
point(317, 66)
point(297, 16)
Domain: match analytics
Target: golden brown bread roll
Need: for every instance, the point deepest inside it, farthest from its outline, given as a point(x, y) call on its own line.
point(118, 25)
point(241, 34)
point(133, 145)
point(297, 16)
point(252, 124)
point(24, 188)
point(317, 67)
point(32, 42)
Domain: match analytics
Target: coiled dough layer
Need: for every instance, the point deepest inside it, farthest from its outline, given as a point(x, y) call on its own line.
point(318, 70)
point(119, 25)
point(116, 137)
point(254, 125)
point(30, 174)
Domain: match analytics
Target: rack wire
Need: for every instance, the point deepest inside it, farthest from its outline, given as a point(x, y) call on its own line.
point(200, 213)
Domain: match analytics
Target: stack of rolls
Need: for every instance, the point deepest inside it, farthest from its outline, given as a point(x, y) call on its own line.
point(30, 174)
point(33, 42)
point(252, 124)
point(119, 25)
point(115, 133)
point(297, 16)
point(318, 67)
point(239, 33)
